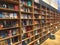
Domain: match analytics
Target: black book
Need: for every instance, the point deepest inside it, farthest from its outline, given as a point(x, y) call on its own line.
point(24, 43)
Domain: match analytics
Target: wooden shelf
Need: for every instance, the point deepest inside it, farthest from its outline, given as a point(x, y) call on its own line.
point(8, 28)
point(33, 20)
point(9, 1)
point(9, 10)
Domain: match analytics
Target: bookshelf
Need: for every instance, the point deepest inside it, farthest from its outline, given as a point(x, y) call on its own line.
point(26, 22)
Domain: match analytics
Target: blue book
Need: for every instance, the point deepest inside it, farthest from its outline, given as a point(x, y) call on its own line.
point(1, 15)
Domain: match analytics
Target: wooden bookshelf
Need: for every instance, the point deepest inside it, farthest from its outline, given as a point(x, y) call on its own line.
point(26, 22)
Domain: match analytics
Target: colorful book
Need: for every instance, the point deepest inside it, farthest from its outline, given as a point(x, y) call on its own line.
point(1, 14)
point(16, 7)
point(11, 15)
point(15, 15)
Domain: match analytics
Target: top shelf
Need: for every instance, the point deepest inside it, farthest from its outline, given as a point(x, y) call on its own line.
point(11, 2)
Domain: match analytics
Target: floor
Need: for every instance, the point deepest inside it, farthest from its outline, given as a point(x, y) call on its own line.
point(56, 41)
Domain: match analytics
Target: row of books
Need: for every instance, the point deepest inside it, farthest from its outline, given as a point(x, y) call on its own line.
point(36, 27)
point(9, 6)
point(37, 17)
point(36, 22)
point(24, 9)
point(9, 42)
point(29, 40)
point(8, 15)
point(43, 13)
point(26, 29)
point(36, 6)
point(26, 2)
point(5, 24)
point(43, 17)
point(43, 21)
point(13, 0)
point(26, 22)
point(36, 12)
point(26, 16)
point(37, 42)
point(8, 33)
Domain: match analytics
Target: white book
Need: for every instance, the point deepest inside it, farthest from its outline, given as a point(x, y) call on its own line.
point(15, 15)
point(11, 15)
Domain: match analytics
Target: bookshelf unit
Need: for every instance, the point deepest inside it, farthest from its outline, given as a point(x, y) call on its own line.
point(26, 22)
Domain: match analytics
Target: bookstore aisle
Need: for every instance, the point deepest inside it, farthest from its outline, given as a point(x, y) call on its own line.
point(56, 41)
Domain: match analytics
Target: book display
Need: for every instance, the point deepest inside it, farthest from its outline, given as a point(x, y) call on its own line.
point(26, 22)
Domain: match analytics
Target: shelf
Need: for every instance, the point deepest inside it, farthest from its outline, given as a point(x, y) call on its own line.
point(9, 10)
point(27, 20)
point(9, 1)
point(26, 12)
point(8, 28)
point(8, 19)
point(9, 37)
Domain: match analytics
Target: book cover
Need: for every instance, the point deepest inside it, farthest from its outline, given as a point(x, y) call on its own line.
point(24, 43)
point(29, 3)
point(1, 14)
point(11, 15)
point(4, 5)
point(15, 39)
point(5, 15)
point(14, 32)
point(15, 15)
point(16, 7)
point(10, 33)
point(10, 6)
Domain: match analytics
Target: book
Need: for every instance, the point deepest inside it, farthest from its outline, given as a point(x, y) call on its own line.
point(15, 39)
point(37, 1)
point(15, 15)
point(4, 5)
point(28, 41)
point(1, 24)
point(23, 29)
point(0, 5)
point(5, 15)
point(10, 6)
point(3, 34)
point(14, 32)
point(10, 33)
point(11, 15)
point(0, 14)
point(24, 36)
point(24, 43)
point(7, 42)
point(16, 7)
point(29, 3)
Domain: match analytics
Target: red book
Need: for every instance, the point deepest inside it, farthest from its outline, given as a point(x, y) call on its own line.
point(16, 7)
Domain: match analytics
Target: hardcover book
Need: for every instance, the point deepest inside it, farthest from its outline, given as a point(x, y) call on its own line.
point(11, 15)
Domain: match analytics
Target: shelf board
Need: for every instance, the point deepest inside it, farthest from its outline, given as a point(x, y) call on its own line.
point(27, 19)
point(11, 2)
point(26, 12)
point(16, 43)
point(9, 28)
point(10, 10)
point(36, 13)
point(34, 41)
point(28, 25)
point(9, 19)
point(27, 38)
point(9, 37)
point(37, 9)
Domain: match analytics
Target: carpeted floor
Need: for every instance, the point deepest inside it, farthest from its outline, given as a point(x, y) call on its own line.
point(56, 41)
